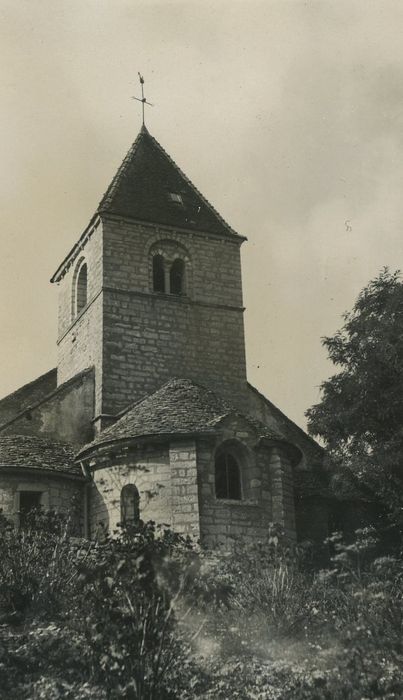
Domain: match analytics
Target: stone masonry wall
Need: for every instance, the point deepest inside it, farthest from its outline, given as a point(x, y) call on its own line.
point(150, 337)
point(148, 468)
point(215, 265)
point(66, 415)
point(27, 395)
point(92, 254)
point(165, 476)
point(57, 493)
point(176, 483)
point(80, 339)
point(137, 339)
point(267, 489)
point(281, 479)
point(185, 499)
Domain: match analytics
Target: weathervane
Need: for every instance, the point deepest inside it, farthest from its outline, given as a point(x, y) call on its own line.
point(143, 99)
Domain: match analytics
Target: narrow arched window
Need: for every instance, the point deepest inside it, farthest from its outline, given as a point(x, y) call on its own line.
point(227, 477)
point(129, 505)
point(158, 274)
point(177, 277)
point(81, 288)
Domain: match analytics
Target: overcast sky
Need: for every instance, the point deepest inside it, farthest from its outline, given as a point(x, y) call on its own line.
point(288, 116)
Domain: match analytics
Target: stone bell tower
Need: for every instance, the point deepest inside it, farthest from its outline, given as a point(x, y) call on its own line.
point(152, 290)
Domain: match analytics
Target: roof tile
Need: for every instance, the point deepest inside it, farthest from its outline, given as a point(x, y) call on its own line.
point(31, 452)
point(141, 188)
point(178, 407)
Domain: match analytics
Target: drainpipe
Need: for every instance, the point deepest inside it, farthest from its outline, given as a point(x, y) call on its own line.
point(86, 504)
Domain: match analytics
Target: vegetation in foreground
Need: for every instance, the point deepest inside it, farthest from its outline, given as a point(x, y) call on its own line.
point(146, 616)
point(360, 415)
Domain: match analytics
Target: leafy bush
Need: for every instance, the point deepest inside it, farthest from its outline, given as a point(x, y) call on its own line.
point(38, 565)
point(267, 582)
point(129, 591)
point(45, 662)
point(145, 616)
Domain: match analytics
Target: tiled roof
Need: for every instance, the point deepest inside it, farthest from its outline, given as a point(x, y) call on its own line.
point(178, 407)
point(27, 395)
point(31, 452)
point(296, 435)
point(31, 400)
point(141, 189)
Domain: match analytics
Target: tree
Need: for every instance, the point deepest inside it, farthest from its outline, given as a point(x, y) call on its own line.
point(360, 415)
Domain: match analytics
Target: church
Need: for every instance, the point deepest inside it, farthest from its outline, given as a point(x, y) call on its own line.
point(149, 413)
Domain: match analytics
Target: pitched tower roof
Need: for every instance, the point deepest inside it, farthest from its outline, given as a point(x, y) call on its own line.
point(149, 186)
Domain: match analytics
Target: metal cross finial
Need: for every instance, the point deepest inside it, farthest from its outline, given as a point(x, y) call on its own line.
point(143, 99)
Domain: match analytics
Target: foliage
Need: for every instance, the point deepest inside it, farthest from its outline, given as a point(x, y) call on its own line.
point(128, 598)
point(368, 621)
point(292, 634)
point(37, 565)
point(360, 415)
point(266, 580)
point(144, 615)
point(45, 661)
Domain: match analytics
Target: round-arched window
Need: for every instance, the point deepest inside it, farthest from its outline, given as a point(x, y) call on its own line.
point(170, 268)
point(177, 277)
point(158, 274)
point(227, 476)
point(129, 505)
point(80, 289)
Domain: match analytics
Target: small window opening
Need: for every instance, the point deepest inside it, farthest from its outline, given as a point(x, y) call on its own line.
point(227, 477)
point(176, 277)
point(129, 505)
point(158, 274)
point(29, 502)
point(81, 289)
point(176, 198)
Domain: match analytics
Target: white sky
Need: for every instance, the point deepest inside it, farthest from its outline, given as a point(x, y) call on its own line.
point(288, 117)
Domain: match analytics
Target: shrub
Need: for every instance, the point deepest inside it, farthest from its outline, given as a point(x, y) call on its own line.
point(129, 592)
point(38, 565)
point(266, 581)
point(145, 616)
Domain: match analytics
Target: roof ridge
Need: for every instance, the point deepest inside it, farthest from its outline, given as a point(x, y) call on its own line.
point(48, 396)
point(107, 198)
point(112, 187)
point(284, 416)
point(27, 384)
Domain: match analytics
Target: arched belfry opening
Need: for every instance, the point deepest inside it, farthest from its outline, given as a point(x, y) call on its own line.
point(177, 277)
point(170, 266)
point(158, 274)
